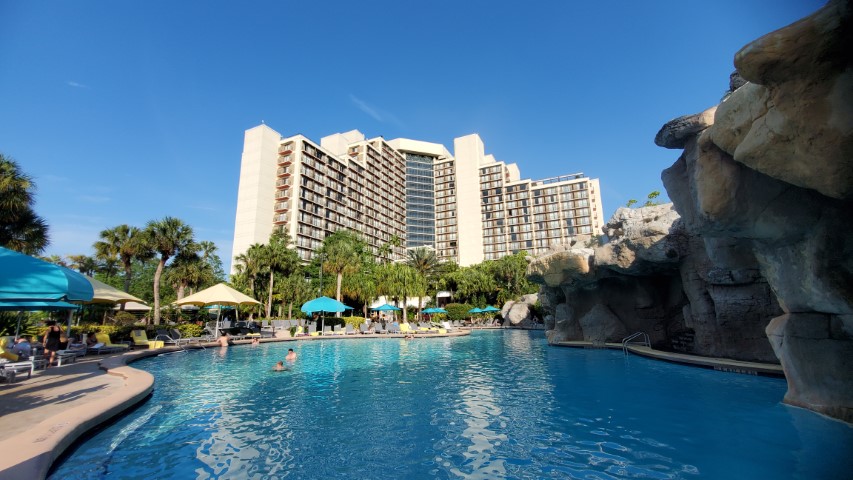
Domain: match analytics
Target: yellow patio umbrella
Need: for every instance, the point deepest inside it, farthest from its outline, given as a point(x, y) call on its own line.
point(108, 294)
point(219, 294)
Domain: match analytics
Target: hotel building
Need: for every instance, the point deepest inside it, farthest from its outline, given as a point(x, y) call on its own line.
point(468, 206)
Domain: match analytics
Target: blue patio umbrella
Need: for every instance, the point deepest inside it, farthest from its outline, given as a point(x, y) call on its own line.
point(434, 310)
point(34, 307)
point(490, 309)
point(475, 310)
point(386, 308)
point(28, 279)
point(323, 304)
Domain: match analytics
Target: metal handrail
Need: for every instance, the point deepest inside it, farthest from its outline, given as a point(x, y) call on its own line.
point(627, 340)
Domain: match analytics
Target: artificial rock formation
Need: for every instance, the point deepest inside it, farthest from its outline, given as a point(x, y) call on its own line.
point(520, 313)
point(652, 276)
point(768, 188)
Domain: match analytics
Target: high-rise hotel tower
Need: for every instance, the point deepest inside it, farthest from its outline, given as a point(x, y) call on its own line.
point(468, 207)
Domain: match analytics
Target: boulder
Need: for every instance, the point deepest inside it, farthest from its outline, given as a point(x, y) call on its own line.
point(600, 325)
point(675, 133)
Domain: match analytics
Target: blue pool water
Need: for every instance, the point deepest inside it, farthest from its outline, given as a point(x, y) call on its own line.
point(496, 404)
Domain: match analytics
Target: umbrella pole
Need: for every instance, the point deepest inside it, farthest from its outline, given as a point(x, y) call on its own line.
point(18, 327)
point(218, 315)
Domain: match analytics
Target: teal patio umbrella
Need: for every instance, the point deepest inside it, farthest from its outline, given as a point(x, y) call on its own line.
point(22, 307)
point(28, 279)
point(475, 310)
point(322, 305)
point(387, 308)
point(489, 309)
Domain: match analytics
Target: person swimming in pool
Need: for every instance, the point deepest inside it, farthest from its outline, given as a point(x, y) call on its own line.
point(291, 356)
point(279, 367)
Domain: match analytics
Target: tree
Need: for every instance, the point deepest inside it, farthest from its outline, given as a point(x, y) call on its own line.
point(56, 260)
point(386, 251)
point(651, 199)
point(631, 203)
point(166, 237)
point(399, 280)
point(276, 257)
point(20, 228)
point(248, 266)
point(510, 273)
point(83, 264)
point(295, 289)
point(426, 263)
point(343, 253)
point(125, 244)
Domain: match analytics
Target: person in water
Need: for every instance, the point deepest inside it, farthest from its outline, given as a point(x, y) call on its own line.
point(279, 367)
point(291, 355)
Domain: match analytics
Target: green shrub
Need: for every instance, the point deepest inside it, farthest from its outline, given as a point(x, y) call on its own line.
point(124, 319)
point(189, 330)
point(354, 321)
point(458, 311)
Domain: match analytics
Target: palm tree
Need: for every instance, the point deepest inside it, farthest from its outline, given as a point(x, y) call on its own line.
point(248, 267)
point(277, 257)
point(83, 264)
point(56, 260)
point(295, 289)
point(345, 253)
point(125, 244)
point(166, 237)
point(398, 280)
point(20, 228)
point(426, 263)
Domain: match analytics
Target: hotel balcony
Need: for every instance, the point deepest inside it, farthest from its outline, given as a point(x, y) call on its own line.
point(283, 172)
point(282, 181)
point(285, 159)
point(281, 207)
point(285, 149)
point(280, 219)
point(282, 194)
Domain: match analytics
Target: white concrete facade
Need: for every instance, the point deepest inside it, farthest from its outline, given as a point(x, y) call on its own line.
point(256, 189)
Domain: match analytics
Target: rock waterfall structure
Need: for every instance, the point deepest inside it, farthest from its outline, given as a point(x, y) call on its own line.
point(754, 258)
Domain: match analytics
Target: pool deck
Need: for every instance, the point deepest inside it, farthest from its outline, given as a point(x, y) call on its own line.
point(42, 416)
point(721, 364)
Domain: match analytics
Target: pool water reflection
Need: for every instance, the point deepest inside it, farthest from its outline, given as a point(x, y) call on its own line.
point(497, 404)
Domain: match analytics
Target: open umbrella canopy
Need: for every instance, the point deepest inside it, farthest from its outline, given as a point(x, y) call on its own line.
point(37, 306)
point(26, 278)
point(386, 308)
point(324, 304)
point(133, 307)
point(490, 309)
point(434, 310)
point(104, 293)
point(218, 294)
point(475, 310)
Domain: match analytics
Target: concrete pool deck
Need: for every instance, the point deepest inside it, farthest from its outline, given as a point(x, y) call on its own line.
point(44, 415)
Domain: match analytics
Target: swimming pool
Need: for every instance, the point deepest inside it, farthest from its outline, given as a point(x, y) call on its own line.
point(496, 404)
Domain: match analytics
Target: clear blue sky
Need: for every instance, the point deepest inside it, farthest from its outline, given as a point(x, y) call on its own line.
point(125, 112)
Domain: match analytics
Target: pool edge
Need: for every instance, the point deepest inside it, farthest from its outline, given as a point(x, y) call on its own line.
point(31, 454)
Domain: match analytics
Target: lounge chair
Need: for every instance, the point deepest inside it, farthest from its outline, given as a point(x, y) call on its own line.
point(139, 338)
point(312, 330)
point(109, 345)
point(349, 330)
point(378, 328)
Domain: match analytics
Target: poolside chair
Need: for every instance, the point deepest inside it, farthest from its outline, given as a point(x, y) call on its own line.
point(327, 330)
point(107, 345)
point(312, 330)
point(362, 328)
point(379, 328)
point(349, 330)
point(139, 338)
point(394, 328)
